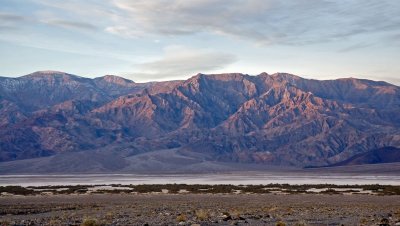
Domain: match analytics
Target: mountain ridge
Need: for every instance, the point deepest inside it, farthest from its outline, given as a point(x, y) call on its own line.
point(376, 156)
point(277, 119)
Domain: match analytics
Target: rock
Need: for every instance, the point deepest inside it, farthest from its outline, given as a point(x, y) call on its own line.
point(384, 222)
point(227, 218)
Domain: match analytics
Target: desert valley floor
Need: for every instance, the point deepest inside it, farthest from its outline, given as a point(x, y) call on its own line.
point(200, 209)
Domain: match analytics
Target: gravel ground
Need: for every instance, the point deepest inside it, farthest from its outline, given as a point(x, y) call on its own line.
point(200, 209)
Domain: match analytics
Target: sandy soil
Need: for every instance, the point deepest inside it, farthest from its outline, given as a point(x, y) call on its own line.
point(202, 209)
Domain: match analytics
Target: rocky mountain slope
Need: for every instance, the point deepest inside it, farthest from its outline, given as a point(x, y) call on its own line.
point(377, 156)
point(278, 119)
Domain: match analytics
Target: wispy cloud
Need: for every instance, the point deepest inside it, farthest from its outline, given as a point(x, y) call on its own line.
point(355, 47)
point(71, 24)
point(261, 21)
point(87, 8)
point(181, 61)
point(10, 21)
point(264, 21)
point(18, 22)
point(9, 17)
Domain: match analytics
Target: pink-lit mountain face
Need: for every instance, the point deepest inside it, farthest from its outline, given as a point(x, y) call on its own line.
point(278, 119)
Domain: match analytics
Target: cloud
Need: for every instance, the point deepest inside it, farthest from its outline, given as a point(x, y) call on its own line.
point(71, 24)
point(88, 8)
point(10, 21)
point(261, 21)
point(355, 47)
point(17, 22)
point(86, 15)
point(179, 61)
point(264, 21)
point(8, 17)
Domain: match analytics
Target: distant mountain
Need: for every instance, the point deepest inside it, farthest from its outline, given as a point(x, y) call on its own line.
point(279, 119)
point(44, 89)
point(377, 156)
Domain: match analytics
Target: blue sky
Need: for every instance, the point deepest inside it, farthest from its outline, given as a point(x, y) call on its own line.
point(147, 40)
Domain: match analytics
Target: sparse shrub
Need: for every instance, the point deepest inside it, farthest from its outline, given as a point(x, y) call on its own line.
point(280, 223)
point(330, 191)
point(89, 222)
point(397, 214)
point(202, 215)
point(391, 190)
point(5, 223)
point(17, 190)
point(115, 191)
point(147, 188)
point(235, 214)
point(54, 222)
point(222, 188)
point(181, 218)
point(363, 221)
point(300, 223)
point(109, 215)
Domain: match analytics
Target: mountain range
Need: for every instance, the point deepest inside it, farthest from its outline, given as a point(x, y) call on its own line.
point(58, 122)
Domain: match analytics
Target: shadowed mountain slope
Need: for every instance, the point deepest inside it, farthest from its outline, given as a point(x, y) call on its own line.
point(377, 156)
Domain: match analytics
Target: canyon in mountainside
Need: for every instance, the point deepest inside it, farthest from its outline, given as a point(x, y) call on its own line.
point(58, 122)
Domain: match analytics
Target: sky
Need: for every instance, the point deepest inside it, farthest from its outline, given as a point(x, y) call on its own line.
point(157, 40)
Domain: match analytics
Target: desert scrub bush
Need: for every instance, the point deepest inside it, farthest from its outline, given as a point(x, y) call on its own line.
point(300, 223)
point(147, 188)
point(235, 213)
point(363, 221)
point(222, 188)
point(174, 188)
point(280, 223)
point(257, 189)
point(181, 218)
point(17, 190)
point(113, 191)
point(391, 190)
point(397, 213)
point(109, 215)
point(54, 222)
point(5, 223)
point(202, 215)
point(90, 222)
point(330, 191)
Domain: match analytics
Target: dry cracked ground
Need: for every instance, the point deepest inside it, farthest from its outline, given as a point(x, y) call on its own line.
point(200, 209)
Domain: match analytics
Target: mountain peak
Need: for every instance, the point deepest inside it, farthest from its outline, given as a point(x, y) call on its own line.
point(263, 74)
point(222, 76)
point(115, 79)
point(364, 81)
point(286, 76)
point(50, 74)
